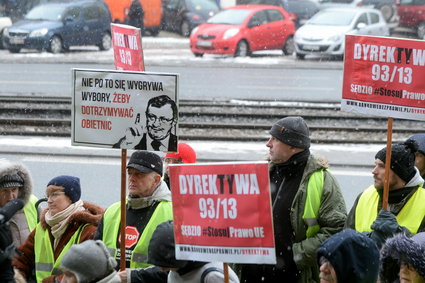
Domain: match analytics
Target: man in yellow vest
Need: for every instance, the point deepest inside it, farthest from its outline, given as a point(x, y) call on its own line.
point(16, 183)
point(307, 206)
point(148, 205)
point(405, 201)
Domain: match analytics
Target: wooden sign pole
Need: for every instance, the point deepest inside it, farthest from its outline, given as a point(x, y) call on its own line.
point(387, 165)
point(123, 206)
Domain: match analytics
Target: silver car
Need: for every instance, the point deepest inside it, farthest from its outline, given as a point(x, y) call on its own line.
point(324, 33)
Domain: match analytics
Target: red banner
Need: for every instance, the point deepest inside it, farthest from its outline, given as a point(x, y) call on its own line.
point(384, 77)
point(222, 212)
point(127, 44)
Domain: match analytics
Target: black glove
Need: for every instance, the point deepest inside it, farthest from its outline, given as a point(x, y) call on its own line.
point(385, 226)
point(5, 236)
point(7, 250)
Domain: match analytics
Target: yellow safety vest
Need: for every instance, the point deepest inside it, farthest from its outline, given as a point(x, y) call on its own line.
point(45, 264)
point(410, 216)
point(111, 226)
point(31, 212)
point(312, 202)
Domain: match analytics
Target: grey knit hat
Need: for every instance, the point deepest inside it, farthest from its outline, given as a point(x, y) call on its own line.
point(292, 131)
point(89, 261)
point(11, 180)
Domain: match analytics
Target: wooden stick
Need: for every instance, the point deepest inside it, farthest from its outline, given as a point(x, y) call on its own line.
point(123, 206)
point(226, 272)
point(387, 165)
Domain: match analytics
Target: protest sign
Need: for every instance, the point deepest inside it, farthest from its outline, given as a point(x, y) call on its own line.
point(222, 212)
point(123, 109)
point(384, 77)
point(127, 45)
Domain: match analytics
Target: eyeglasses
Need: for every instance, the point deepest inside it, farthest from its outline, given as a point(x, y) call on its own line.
point(172, 160)
point(54, 195)
point(153, 118)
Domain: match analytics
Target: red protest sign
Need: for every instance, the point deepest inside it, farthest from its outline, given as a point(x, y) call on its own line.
point(222, 212)
point(384, 77)
point(127, 44)
point(131, 236)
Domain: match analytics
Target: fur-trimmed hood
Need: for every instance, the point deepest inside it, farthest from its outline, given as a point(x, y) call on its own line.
point(8, 167)
point(91, 215)
point(400, 247)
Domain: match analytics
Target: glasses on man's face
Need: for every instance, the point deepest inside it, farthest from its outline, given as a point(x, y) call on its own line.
point(152, 118)
point(172, 160)
point(54, 195)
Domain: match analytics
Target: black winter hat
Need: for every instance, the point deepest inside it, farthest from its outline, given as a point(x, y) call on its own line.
point(420, 139)
point(354, 256)
point(402, 159)
point(161, 251)
point(292, 131)
point(145, 162)
point(11, 180)
point(401, 248)
point(70, 184)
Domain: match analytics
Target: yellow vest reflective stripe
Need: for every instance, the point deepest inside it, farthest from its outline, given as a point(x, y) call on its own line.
point(312, 202)
point(31, 212)
point(410, 216)
point(45, 264)
point(111, 225)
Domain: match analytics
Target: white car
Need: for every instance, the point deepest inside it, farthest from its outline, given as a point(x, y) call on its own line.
point(324, 33)
point(4, 22)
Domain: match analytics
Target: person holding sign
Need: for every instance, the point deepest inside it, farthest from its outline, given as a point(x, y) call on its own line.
point(405, 201)
point(148, 204)
point(308, 206)
point(420, 154)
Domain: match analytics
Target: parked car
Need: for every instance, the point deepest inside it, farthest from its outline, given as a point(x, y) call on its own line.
point(241, 30)
point(152, 13)
point(325, 32)
point(388, 8)
point(302, 9)
point(4, 23)
point(412, 15)
point(184, 15)
point(55, 26)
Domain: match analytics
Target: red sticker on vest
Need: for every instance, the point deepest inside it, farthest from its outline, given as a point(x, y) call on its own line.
point(131, 236)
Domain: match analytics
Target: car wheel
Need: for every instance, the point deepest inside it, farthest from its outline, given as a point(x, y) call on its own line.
point(289, 47)
point(55, 45)
point(106, 42)
point(242, 49)
point(14, 49)
point(387, 11)
point(300, 56)
point(185, 29)
point(1, 40)
point(198, 54)
point(421, 30)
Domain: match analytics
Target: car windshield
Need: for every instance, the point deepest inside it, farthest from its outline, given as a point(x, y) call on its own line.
point(333, 18)
point(46, 12)
point(202, 5)
point(230, 17)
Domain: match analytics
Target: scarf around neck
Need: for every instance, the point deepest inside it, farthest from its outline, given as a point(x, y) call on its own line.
point(59, 222)
point(161, 193)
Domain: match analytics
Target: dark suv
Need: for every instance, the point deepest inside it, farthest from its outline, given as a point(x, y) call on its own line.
point(412, 15)
point(55, 26)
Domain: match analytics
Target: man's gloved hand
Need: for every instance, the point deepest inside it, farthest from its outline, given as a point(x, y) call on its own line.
point(385, 226)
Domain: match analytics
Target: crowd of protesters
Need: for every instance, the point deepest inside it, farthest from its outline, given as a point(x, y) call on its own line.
point(315, 240)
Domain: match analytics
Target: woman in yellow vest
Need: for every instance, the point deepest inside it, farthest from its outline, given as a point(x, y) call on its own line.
point(67, 220)
point(16, 183)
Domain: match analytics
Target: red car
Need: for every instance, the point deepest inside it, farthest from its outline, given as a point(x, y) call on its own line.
point(241, 30)
point(412, 15)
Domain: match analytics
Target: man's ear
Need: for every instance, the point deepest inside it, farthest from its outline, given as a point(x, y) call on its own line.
point(158, 179)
